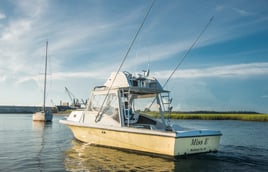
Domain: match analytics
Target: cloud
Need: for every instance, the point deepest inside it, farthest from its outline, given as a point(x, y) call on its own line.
point(242, 12)
point(68, 39)
point(158, 52)
point(62, 76)
point(22, 39)
point(227, 71)
point(2, 77)
point(30, 8)
point(231, 8)
point(2, 16)
point(16, 30)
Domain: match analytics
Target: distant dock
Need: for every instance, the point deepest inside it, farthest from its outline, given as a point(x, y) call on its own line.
point(20, 109)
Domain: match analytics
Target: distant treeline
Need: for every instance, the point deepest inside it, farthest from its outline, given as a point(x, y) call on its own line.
point(215, 115)
point(215, 112)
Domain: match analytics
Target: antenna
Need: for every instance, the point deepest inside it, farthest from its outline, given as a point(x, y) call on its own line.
point(148, 70)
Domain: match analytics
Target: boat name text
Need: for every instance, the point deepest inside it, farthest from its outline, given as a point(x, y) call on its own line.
point(196, 141)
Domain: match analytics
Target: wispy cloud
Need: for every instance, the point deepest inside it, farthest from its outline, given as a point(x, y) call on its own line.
point(242, 12)
point(227, 71)
point(232, 8)
point(87, 41)
point(264, 96)
point(63, 76)
point(22, 39)
point(2, 16)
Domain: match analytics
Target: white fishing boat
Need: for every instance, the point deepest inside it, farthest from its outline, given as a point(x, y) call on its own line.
point(117, 115)
point(45, 115)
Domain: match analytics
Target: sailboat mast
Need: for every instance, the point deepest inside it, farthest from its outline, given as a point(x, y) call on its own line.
point(45, 80)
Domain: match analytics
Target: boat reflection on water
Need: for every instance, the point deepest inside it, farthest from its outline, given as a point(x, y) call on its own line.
point(85, 157)
point(38, 126)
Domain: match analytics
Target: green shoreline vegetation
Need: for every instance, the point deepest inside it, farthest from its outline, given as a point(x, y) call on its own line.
point(205, 115)
point(252, 116)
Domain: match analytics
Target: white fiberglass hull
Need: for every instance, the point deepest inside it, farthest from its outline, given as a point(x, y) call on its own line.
point(157, 142)
point(42, 116)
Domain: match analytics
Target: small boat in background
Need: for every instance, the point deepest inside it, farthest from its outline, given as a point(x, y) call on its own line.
point(45, 115)
point(117, 115)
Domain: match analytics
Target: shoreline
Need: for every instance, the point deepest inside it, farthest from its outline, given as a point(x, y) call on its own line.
point(216, 116)
point(189, 115)
point(205, 116)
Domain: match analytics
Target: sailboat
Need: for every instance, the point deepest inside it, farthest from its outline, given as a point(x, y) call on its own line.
point(45, 115)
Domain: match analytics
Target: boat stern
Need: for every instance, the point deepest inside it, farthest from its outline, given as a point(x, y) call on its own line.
point(42, 116)
point(196, 141)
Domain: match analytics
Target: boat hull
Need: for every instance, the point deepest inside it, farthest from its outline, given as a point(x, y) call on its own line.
point(42, 116)
point(164, 143)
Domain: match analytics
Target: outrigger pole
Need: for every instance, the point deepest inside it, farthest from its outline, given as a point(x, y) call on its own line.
point(188, 51)
point(185, 55)
point(99, 115)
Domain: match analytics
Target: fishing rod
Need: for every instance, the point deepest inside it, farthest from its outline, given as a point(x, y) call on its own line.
point(186, 54)
point(99, 115)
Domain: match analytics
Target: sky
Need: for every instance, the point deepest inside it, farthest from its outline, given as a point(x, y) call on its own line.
point(227, 70)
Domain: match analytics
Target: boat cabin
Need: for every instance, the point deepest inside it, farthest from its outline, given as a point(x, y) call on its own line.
point(125, 99)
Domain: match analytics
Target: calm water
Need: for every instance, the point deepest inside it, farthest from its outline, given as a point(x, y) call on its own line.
point(32, 146)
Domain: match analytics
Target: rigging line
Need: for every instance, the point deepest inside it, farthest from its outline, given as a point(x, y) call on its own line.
point(186, 54)
point(98, 117)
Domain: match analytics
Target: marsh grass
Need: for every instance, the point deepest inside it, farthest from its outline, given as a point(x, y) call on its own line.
point(216, 116)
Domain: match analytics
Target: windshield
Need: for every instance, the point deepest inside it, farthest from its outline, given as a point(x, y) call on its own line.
point(145, 104)
point(110, 104)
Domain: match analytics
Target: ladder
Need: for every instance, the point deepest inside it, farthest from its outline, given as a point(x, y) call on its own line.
point(166, 102)
point(125, 99)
